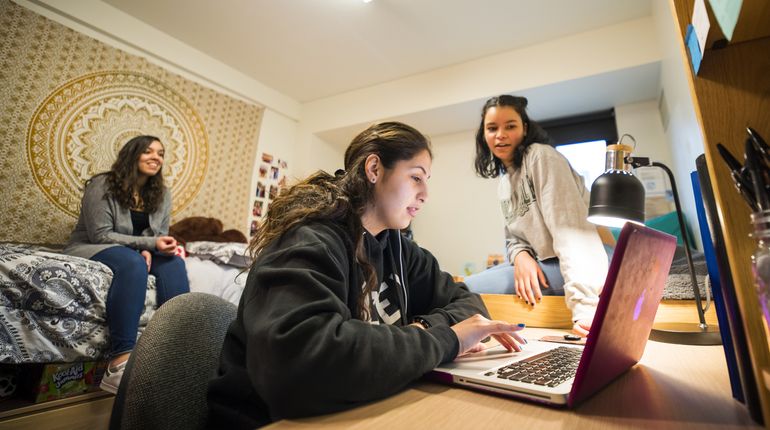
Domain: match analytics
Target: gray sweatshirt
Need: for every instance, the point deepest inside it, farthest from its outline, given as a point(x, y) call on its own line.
point(103, 223)
point(545, 204)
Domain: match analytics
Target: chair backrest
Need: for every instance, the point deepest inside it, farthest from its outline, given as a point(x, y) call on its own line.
point(165, 382)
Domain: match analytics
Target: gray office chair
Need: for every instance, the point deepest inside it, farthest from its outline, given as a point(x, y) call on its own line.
point(166, 378)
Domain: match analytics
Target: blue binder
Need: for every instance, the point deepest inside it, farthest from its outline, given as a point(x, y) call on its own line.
point(742, 380)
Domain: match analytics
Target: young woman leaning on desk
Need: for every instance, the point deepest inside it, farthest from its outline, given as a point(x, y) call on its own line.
point(552, 248)
point(339, 308)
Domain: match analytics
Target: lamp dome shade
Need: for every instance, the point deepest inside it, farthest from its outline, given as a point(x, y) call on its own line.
point(617, 196)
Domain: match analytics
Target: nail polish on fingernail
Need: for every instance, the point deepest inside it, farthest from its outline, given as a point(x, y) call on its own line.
point(521, 325)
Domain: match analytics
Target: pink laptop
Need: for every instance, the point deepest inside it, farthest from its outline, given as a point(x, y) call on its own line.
point(561, 374)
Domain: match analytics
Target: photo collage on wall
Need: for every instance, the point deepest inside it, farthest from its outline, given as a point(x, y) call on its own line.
point(270, 181)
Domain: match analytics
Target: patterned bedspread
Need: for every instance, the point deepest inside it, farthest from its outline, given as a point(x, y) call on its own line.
point(52, 306)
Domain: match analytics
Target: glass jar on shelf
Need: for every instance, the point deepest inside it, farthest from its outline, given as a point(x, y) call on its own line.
point(760, 260)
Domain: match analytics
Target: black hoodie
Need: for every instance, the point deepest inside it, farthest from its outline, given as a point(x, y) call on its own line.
point(297, 347)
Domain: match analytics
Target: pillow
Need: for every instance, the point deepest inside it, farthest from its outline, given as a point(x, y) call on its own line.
point(199, 229)
point(231, 253)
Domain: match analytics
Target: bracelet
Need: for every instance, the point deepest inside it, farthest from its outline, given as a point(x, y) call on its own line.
point(423, 322)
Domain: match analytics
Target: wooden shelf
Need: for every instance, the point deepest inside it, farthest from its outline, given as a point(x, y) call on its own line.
point(731, 92)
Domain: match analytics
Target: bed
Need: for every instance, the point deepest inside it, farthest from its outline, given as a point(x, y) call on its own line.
point(52, 306)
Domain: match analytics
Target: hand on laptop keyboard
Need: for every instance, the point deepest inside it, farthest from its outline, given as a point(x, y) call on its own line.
point(471, 331)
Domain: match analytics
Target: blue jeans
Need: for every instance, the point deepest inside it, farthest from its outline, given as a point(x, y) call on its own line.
point(499, 279)
point(125, 298)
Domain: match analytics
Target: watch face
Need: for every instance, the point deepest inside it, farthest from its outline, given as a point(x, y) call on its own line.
point(423, 322)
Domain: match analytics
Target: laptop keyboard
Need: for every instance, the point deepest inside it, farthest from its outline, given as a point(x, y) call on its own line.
point(549, 368)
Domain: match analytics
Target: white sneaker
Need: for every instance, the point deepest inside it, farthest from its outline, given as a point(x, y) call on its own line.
point(112, 377)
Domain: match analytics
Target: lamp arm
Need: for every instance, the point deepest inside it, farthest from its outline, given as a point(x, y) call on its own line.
point(645, 162)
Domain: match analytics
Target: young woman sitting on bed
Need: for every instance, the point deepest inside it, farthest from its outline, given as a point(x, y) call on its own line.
point(123, 223)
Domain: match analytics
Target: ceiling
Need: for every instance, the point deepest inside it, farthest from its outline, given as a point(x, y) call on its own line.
point(310, 49)
point(590, 94)
point(313, 49)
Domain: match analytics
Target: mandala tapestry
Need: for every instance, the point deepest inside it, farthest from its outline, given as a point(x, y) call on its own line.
point(69, 102)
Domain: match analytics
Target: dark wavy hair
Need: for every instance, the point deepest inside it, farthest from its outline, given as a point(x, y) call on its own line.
point(486, 164)
point(343, 198)
point(124, 174)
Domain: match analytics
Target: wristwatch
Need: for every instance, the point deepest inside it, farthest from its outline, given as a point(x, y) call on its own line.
point(422, 321)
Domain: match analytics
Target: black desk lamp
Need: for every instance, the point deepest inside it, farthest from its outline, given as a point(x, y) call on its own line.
point(617, 197)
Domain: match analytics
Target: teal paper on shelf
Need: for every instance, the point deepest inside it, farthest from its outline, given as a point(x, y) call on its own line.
point(693, 49)
point(726, 13)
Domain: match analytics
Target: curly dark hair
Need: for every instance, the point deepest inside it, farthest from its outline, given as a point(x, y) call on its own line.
point(486, 164)
point(343, 198)
point(124, 174)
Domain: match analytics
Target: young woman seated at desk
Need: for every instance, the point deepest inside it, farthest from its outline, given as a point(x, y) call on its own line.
point(339, 308)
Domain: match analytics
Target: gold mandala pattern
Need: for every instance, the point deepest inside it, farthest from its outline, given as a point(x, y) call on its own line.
point(79, 128)
point(45, 153)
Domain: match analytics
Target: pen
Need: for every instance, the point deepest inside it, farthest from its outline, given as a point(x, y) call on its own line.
point(731, 161)
point(753, 166)
point(740, 177)
point(764, 149)
point(761, 145)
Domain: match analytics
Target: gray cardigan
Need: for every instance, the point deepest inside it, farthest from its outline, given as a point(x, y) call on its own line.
point(104, 223)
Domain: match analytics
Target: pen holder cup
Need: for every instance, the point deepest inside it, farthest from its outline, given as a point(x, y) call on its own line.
point(760, 260)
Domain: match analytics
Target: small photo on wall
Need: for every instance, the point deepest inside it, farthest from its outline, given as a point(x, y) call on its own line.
point(271, 181)
point(257, 210)
point(261, 190)
point(254, 227)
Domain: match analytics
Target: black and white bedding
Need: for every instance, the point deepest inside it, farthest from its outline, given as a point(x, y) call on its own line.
point(52, 306)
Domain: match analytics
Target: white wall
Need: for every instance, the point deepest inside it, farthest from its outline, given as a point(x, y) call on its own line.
point(316, 154)
point(461, 221)
point(683, 133)
point(277, 136)
point(642, 121)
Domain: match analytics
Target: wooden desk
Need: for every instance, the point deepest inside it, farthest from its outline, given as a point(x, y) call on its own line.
point(665, 390)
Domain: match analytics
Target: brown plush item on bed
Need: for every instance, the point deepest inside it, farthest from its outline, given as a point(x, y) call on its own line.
point(198, 228)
